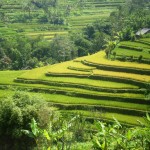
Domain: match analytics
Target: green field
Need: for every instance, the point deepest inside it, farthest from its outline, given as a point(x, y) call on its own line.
point(77, 19)
point(126, 52)
point(118, 87)
point(81, 83)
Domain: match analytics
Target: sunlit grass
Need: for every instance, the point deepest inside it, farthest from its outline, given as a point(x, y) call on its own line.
point(145, 40)
point(85, 102)
point(6, 93)
point(128, 119)
point(7, 77)
point(134, 44)
point(127, 52)
point(125, 118)
point(73, 100)
point(63, 99)
point(92, 82)
point(44, 33)
point(100, 58)
point(39, 73)
point(139, 77)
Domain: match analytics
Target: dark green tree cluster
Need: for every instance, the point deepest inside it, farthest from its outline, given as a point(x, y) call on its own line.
point(92, 38)
point(129, 18)
point(20, 52)
point(16, 112)
point(63, 48)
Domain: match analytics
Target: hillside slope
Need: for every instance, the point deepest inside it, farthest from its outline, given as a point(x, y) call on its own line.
point(89, 84)
point(25, 18)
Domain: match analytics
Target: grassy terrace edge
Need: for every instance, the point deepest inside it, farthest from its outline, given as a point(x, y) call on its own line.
point(117, 68)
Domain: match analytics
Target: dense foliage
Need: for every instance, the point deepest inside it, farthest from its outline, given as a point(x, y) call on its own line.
point(63, 132)
point(116, 137)
point(16, 112)
point(20, 52)
point(107, 137)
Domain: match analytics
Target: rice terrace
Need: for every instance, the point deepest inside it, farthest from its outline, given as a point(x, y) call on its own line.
point(75, 74)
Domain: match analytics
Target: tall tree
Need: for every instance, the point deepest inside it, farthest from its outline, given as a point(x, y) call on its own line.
point(63, 48)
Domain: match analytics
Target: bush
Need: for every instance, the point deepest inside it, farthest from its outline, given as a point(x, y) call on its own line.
point(115, 137)
point(20, 30)
point(114, 54)
point(146, 35)
point(63, 133)
point(131, 58)
point(123, 58)
point(42, 18)
point(140, 58)
point(16, 113)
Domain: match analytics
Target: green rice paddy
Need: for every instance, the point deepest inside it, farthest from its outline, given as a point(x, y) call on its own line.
point(69, 83)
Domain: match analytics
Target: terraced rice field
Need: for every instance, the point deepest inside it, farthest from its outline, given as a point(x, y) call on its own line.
point(92, 85)
point(78, 18)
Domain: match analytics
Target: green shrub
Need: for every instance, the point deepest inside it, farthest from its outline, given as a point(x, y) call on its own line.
point(63, 133)
point(140, 58)
point(146, 35)
point(123, 58)
point(131, 58)
point(66, 132)
point(42, 18)
point(16, 113)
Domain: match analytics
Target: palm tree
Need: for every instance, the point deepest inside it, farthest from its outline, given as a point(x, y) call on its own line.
point(110, 45)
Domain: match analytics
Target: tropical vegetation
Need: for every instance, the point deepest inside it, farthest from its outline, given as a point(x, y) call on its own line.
point(74, 74)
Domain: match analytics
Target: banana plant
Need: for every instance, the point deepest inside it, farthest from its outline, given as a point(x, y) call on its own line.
point(116, 137)
point(47, 138)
